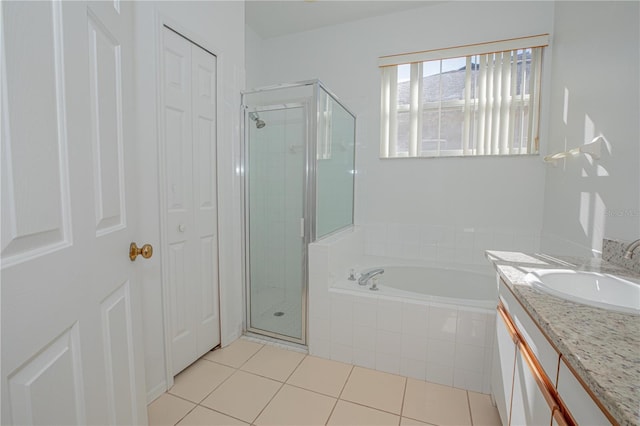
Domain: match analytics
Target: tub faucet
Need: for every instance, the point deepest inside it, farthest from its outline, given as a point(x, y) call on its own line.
point(628, 254)
point(366, 276)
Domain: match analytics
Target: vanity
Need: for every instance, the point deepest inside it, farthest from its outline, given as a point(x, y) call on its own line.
point(557, 361)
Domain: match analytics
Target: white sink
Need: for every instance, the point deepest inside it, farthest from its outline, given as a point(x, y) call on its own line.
point(589, 288)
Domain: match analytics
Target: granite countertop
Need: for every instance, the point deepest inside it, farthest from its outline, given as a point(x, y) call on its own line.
point(602, 346)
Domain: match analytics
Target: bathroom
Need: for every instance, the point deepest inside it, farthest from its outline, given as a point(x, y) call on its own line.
point(428, 211)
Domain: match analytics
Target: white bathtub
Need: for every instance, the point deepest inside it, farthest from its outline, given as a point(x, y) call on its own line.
point(451, 286)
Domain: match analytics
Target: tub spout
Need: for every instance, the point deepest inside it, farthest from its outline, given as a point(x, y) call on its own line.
point(367, 275)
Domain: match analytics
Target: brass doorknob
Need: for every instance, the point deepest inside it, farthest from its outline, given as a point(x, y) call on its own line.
point(146, 251)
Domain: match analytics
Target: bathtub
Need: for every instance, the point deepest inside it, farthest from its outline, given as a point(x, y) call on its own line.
point(428, 323)
point(431, 284)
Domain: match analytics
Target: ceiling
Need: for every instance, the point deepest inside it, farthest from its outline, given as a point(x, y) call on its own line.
point(276, 18)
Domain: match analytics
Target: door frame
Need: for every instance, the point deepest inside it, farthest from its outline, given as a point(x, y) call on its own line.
point(161, 22)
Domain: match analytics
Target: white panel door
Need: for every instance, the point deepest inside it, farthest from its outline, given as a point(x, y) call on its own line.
point(189, 88)
point(71, 350)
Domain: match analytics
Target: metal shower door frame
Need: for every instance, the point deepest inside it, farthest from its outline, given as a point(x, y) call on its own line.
point(309, 110)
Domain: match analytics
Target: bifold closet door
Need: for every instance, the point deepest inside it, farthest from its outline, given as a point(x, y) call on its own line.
point(190, 194)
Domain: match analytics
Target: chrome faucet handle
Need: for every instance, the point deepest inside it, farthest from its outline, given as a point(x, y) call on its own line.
point(352, 274)
point(628, 254)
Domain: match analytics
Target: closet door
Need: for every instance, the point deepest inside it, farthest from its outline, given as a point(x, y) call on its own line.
point(190, 194)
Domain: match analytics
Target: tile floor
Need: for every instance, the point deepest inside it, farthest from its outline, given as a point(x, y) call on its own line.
point(250, 383)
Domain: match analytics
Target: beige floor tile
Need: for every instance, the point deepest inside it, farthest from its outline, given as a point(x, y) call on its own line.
point(375, 389)
point(438, 404)
point(483, 413)
point(201, 416)
point(199, 379)
point(405, 421)
point(295, 406)
point(235, 354)
point(168, 410)
point(274, 363)
point(321, 375)
point(347, 413)
point(242, 396)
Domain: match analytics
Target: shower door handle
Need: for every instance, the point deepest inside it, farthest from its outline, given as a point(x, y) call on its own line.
point(302, 227)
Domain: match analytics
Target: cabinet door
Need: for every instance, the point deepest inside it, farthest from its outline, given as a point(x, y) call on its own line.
point(531, 404)
point(504, 355)
point(579, 403)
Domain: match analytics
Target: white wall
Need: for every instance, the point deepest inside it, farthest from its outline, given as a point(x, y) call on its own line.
point(494, 195)
point(595, 91)
point(219, 27)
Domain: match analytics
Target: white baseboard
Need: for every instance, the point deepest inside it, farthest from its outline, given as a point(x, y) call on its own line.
point(156, 391)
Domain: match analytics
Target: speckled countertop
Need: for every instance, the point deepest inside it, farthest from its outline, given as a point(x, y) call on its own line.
point(602, 346)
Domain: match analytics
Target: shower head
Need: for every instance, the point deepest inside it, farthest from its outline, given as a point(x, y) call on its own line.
point(255, 117)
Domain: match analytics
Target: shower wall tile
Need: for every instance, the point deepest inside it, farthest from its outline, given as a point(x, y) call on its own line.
point(447, 244)
point(428, 251)
point(415, 369)
point(441, 352)
point(388, 363)
point(442, 323)
point(441, 374)
point(365, 312)
point(364, 338)
point(320, 328)
point(388, 342)
point(471, 328)
point(414, 347)
point(470, 380)
point(364, 358)
point(415, 318)
point(469, 357)
point(342, 353)
point(320, 348)
point(389, 315)
point(446, 254)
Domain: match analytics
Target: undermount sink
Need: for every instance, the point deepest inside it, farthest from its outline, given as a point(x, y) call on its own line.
point(589, 288)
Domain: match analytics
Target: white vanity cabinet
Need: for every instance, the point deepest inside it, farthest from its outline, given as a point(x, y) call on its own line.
point(519, 389)
point(531, 383)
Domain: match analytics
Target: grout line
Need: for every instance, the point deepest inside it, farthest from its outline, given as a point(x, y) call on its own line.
point(188, 412)
point(294, 370)
point(340, 394)
point(251, 357)
point(269, 402)
point(220, 412)
point(370, 407)
point(469, 407)
point(404, 394)
point(181, 397)
point(219, 384)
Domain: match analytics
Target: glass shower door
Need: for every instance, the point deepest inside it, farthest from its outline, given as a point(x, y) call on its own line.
point(275, 153)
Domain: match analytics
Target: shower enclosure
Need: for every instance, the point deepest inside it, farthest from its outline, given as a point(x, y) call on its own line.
point(298, 162)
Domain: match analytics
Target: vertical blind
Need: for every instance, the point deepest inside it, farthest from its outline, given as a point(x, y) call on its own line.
point(488, 104)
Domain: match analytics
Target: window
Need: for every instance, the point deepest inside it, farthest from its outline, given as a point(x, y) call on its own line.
point(481, 99)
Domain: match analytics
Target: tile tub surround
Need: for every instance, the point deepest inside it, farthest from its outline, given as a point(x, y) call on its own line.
point(440, 343)
point(444, 344)
point(600, 345)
